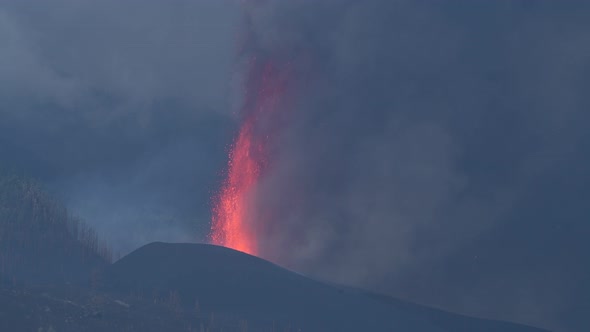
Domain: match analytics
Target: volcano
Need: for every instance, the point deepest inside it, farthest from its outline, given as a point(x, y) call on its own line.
point(236, 284)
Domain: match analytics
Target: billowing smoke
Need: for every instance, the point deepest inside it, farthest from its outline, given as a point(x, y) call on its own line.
point(423, 145)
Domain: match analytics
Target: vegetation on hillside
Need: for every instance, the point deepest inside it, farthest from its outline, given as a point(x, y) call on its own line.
point(40, 241)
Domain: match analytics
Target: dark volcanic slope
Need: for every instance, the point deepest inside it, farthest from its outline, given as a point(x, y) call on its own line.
point(230, 282)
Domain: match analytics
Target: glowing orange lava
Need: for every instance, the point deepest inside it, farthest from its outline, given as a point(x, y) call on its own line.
point(233, 223)
point(230, 227)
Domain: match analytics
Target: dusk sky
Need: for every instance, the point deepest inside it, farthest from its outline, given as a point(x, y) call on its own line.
point(435, 151)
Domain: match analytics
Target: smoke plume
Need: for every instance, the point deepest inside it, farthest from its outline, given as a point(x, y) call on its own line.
point(422, 142)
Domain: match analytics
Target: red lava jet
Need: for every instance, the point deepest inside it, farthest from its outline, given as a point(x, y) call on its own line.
point(232, 224)
point(265, 84)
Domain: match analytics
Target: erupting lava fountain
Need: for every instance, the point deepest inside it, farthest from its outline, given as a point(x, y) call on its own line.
point(233, 223)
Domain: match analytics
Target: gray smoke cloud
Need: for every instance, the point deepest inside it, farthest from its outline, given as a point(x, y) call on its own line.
point(122, 109)
point(435, 152)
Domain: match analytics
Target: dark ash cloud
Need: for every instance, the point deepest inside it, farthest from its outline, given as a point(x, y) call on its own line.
point(435, 152)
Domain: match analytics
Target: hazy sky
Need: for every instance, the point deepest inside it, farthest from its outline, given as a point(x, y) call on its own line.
point(439, 148)
point(122, 108)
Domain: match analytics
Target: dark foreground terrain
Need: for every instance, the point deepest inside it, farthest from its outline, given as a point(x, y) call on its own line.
point(55, 276)
point(192, 287)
